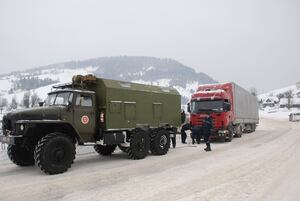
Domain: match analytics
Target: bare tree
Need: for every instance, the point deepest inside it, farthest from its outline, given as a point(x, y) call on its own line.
point(26, 99)
point(34, 99)
point(280, 96)
point(289, 96)
point(3, 103)
point(14, 103)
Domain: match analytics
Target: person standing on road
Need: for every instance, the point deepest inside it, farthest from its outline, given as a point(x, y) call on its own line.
point(185, 126)
point(183, 117)
point(196, 131)
point(207, 126)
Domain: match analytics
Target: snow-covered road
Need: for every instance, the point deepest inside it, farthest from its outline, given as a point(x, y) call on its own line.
point(260, 166)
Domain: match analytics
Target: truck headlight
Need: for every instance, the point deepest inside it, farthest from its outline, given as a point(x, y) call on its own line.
point(22, 127)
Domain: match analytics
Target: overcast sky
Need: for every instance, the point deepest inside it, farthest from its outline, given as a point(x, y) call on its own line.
point(254, 42)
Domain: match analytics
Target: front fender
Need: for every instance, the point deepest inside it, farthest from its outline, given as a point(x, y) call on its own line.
point(56, 124)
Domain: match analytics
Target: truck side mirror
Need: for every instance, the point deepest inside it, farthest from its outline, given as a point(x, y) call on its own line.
point(189, 108)
point(69, 106)
point(227, 106)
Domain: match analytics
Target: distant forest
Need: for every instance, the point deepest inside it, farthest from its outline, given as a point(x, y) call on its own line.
point(28, 83)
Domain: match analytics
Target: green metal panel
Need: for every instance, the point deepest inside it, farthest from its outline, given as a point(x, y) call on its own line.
point(128, 104)
point(130, 111)
point(157, 110)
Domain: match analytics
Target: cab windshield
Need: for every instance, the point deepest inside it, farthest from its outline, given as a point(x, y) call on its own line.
point(207, 106)
point(62, 98)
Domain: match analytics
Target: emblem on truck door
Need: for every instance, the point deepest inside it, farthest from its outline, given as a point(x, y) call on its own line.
point(85, 119)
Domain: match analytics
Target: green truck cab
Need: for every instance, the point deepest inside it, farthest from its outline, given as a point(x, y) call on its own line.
point(92, 111)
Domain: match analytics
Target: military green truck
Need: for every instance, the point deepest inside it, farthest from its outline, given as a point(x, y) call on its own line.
point(92, 111)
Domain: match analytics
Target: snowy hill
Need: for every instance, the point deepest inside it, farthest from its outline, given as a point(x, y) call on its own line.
point(275, 93)
point(281, 102)
point(282, 94)
point(148, 70)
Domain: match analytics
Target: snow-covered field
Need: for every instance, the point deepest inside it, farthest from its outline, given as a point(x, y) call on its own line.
point(260, 166)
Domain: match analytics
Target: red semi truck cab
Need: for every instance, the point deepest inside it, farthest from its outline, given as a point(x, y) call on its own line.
point(230, 106)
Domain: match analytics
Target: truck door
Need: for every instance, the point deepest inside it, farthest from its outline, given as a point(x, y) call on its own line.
point(84, 116)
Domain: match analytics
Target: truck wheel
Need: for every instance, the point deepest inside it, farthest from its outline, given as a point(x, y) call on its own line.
point(160, 142)
point(105, 150)
point(54, 153)
point(238, 131)
point(20, 155)
point(139, 144)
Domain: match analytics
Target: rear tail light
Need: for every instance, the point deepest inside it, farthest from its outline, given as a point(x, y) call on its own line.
point(102, 117)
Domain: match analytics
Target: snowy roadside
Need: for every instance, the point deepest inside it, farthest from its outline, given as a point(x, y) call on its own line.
point(278, 114)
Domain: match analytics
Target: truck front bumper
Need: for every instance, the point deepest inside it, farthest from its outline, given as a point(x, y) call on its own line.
point(220, 134)
point(223, 133)
point(11, 139)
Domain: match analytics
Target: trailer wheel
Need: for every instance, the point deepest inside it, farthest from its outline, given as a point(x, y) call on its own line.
point(54, 153)
point(20, 155)
point(105, 150)
point(160, 142)
point(139, 144)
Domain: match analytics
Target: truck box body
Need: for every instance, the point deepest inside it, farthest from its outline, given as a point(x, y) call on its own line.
point(245, 105)
point(127, 105)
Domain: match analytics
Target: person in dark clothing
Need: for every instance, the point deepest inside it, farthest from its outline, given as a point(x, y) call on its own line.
point(196, 130)
point(207, 126)
point(183, 117)
point(184, 127)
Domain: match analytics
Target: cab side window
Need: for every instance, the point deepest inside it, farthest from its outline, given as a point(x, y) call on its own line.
point(84, 100)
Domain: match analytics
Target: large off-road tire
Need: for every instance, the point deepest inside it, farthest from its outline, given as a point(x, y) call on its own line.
point(54, 153)
point(160, 142)
point(105, 150)
point(139, 144)
point(20, 155)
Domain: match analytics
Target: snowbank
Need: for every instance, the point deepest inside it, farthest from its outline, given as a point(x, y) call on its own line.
point(281, 114)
